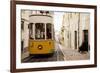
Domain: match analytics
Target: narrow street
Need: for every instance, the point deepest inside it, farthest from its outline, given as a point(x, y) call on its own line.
point(61, 54)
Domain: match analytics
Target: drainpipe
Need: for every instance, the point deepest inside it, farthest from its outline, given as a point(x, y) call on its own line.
point(78, 29)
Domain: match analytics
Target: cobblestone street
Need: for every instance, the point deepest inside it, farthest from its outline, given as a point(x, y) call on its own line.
point(72, 54)
point(61, 54)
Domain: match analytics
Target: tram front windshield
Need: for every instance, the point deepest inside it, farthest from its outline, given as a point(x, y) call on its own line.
point(40, 31)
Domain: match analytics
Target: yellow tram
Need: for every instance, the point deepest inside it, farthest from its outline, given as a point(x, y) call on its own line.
point(41, 35)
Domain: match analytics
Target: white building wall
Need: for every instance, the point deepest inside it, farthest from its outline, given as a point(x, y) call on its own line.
point(74, 22)
point(25, 33)
point(84, 25)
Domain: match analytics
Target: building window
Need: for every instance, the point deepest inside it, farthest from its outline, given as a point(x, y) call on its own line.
point(31, 31)
point(22, 25)
point(22, 46)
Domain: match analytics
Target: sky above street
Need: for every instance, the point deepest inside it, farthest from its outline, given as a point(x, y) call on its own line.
point(58, 18)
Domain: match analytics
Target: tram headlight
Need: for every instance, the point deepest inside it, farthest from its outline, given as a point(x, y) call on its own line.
point(40, 47)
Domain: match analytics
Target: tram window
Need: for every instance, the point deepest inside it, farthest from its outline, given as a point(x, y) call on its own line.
point(39, 31)
point(22, 25)
point(48, 31)
point(31, 31)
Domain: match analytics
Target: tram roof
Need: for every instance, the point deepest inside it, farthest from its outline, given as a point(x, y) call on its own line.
point(23, 19)
point(40, 15)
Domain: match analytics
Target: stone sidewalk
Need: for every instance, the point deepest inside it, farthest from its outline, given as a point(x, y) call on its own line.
point(71, 54)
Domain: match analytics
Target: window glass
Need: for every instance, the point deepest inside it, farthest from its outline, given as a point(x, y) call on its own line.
point(31, 31)
point(39, 31)
point(48, 31)
point(22, 25)
point(22, 46)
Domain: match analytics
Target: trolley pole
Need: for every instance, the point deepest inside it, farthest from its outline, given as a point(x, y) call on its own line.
point(78, 29)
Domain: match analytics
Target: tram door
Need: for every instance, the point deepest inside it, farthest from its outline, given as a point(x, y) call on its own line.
point(75, 39)
point(85, 32)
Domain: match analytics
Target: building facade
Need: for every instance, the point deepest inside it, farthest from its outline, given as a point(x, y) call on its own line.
point(24, 33)
point(75, 29)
